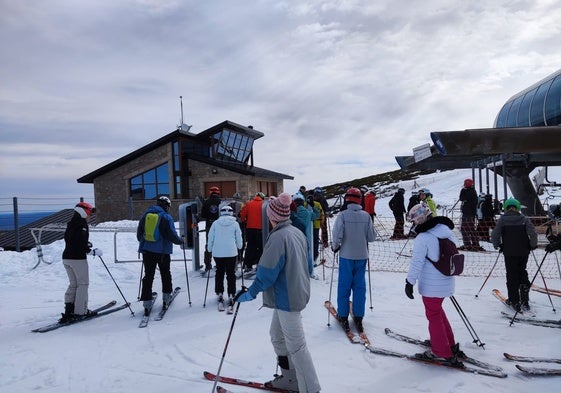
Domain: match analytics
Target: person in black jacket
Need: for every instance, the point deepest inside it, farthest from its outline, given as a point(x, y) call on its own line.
point(77, 246)
point(397, 206)
point(468, 197)
point(515, 236)
point(210, 213)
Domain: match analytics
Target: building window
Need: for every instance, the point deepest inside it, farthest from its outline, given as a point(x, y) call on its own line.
point(230, 145)
point(151, 183)
point(552, 108)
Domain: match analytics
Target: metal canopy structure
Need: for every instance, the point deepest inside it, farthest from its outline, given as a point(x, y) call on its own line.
point(510, 152)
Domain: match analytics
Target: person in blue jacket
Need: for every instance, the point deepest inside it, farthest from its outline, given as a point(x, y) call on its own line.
point(156, 235)
point(283, 275)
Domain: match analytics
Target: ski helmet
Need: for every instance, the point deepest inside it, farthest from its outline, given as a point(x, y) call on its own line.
point(468, 183)
point(237, 196)
point(419, 213)
point(164, 202)
point(226, 211)
point(260, 195)
point(512, 202)
point(214, 190)
point(88, 208)
point(353, 195)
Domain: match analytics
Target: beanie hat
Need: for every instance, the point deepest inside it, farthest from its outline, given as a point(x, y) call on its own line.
point(278, 209)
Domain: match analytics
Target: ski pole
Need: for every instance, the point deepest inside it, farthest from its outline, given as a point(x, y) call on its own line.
point(369, 285)
point(206, 289)
point(465, 319)
point(399, 254)
point(331, 283)
point(110, 275)
point(531, 282)
point(225, 348)
point(187, 277)
point(489, 275)
point(140, 279)
point(544, 284)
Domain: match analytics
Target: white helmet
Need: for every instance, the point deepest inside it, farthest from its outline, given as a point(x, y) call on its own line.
point(419, 213)
point(226, 211)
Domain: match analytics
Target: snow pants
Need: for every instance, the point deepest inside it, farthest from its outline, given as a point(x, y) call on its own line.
point(351, 279)
point(516, 275)
point(288, 339)
point(226, 265)
point(440, 331)
point(79, 278)
point(254, 247)
point(150, 261)
point(469, 234)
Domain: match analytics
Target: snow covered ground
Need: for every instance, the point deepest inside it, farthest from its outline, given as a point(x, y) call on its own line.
point(111, 354)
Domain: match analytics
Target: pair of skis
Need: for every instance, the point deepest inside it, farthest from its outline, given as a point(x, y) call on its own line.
point(354, 338)
point(98, 312)
point(525, 316)
point(481, 368)
point(534, 359)
point(146, 318)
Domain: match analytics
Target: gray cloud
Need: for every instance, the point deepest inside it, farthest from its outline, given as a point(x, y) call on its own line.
point(338, 88)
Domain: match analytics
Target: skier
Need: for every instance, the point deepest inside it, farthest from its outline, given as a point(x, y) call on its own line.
point(426, 196)
point(352, 232)
point(433, 285)
point(156, 234)
point(224, 241)
point(370, 203)
point(515, 236)
point(209, 212)
point(397, 206)
point(468, 197)
point(75, 262)
point(283, 275)
point(251, 215)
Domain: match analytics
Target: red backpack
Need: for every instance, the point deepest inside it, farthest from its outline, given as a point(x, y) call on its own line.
point(450, 261)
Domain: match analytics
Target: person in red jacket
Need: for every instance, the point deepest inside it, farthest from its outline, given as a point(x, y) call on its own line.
point(370, 203)
point(252, 215)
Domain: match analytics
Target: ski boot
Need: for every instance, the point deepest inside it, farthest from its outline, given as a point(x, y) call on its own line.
point(525, 297)
point(287, 380)
point(358, 324)
point(68, 313)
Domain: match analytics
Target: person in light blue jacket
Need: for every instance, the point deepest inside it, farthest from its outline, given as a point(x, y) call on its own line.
point(283, 275)
point(224, 241)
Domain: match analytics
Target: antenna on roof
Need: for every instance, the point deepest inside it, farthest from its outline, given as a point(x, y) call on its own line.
point(182, 126)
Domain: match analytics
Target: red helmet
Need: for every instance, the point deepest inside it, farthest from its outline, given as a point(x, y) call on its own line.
point(214, 190)
point(353, 195)
point(468, 183)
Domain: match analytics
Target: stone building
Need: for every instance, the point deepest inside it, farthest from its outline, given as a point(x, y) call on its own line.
point(183, 166)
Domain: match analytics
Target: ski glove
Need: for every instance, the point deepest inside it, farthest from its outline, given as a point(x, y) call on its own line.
point(409, 290)
point(96, 252)
point(243, 296)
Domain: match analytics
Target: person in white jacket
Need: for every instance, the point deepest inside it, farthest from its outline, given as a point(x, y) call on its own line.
point(224, 241)
point(433, 285)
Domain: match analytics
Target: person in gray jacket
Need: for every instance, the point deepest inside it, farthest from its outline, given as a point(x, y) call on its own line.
point(515, 236)
point(351, 233)
point(283, 275)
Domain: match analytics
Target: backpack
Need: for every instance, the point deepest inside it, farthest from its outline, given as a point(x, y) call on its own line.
point(450, 261)
point(152, 227)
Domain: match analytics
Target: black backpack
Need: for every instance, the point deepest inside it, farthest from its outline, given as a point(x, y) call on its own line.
point(450, 261)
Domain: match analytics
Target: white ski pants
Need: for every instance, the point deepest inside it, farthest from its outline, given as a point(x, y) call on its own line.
point(78, 276)
point(288, 339)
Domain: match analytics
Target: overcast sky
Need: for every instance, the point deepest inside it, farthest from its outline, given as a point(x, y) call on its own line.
point(339, 88)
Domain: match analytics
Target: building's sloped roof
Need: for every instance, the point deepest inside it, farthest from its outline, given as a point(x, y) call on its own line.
point(26, 240)
point(233, 166)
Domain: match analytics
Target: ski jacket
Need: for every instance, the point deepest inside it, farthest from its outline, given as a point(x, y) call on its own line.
point(318, 215)
point(352, 232)
point(252, 214)
point(210, 210)
point(432, 283)
point(468, 197)
point(516, 233)
point(397, 204)
point(432, 206)
point(76, 238)
point(168, 234)
point(283, 272)
point(369, 203)
point(225, 237)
